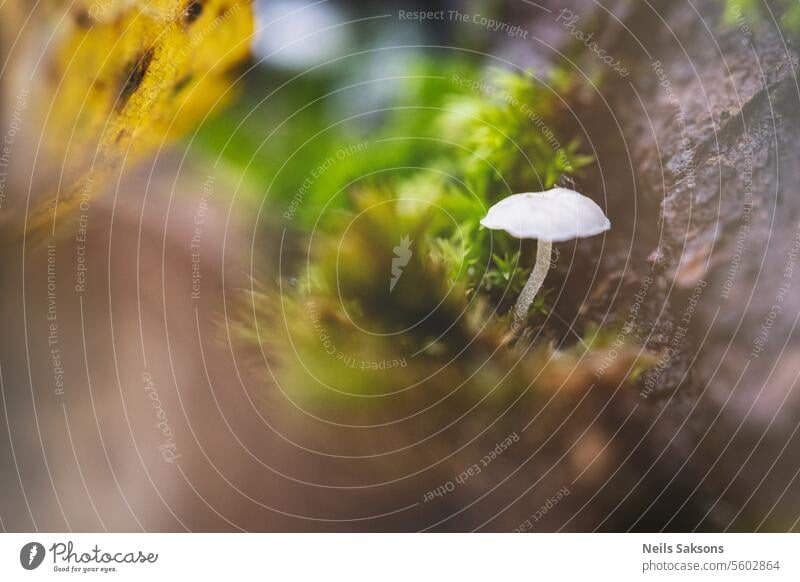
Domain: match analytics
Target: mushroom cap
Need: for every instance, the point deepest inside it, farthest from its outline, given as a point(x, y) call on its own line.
point(556, 215)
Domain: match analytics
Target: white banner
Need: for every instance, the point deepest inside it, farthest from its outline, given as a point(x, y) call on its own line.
point(401, 557)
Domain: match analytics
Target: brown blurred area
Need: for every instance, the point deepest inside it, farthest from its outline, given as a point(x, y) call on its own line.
point(129, 407)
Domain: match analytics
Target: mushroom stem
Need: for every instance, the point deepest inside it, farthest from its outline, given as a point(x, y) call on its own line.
point(544, 250)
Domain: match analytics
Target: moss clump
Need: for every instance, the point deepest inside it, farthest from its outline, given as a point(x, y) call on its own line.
point(398, 289)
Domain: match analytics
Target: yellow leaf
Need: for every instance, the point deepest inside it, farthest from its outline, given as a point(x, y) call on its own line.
point(126, 76)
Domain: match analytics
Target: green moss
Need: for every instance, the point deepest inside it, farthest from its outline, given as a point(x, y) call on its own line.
point(400, 275)
point(453, 136)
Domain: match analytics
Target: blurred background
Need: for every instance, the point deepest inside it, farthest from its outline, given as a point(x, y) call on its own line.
point(212, 334)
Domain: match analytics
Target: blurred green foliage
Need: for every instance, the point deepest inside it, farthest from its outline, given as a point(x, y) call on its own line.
point(754, 14)
point(441, 143)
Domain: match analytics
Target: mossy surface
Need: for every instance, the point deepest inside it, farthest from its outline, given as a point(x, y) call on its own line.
point(393, 284)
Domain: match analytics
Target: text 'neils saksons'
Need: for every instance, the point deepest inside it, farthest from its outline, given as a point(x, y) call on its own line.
point(664, 548)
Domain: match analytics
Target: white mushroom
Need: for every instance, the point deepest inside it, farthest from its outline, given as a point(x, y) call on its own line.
point(556, 215)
